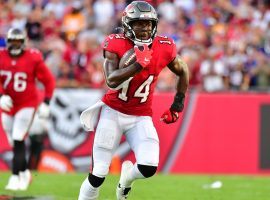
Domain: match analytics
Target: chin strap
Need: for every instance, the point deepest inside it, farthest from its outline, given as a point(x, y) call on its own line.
point(15, 52)
point(142, 42)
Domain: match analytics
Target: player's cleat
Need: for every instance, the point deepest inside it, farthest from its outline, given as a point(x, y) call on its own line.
point(122, 192)
point(13, 183)
point(25, 179)
point(123, 189)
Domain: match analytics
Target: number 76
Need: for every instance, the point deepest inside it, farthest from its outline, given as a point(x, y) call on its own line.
point(19, 83)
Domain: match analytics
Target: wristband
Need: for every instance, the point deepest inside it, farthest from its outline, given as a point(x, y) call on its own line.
point(178, 103)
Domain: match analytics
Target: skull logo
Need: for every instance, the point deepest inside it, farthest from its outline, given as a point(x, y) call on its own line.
point(65, 130)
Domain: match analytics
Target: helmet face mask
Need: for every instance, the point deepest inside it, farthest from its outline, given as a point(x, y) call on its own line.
point(139, 11)
point(15, 42)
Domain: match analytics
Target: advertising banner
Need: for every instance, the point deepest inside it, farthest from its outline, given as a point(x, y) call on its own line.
point(216, 133)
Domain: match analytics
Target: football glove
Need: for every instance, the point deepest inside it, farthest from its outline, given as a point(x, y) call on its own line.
point(43, 110)
point(6, 102)
point(172, 115)
point(169, 116)
point(143, 56)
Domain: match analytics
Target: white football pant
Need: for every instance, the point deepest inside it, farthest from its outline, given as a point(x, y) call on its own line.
point(39, 126)
point(16, 127)
point(140, 134)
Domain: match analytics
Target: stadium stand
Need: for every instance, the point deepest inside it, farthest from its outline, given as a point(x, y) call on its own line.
point(225, 43)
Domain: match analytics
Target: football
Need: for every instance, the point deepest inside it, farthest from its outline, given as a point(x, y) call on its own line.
point(127, 59)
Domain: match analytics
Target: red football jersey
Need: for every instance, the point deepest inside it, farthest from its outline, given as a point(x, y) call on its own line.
point(18, 77)
point(136, 94)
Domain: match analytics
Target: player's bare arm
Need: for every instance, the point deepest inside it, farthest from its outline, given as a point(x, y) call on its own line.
point(115, 76)
point(180, 68)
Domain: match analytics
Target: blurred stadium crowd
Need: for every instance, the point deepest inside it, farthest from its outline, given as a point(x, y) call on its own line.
point(226, 43)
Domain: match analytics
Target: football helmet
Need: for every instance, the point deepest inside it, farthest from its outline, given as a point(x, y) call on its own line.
point(15, 41)
point(139, 10)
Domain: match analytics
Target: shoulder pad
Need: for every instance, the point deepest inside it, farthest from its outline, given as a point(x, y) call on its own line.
point(35, 53)
point(167, 46)
point(112, 39)
point(113, 42)
point(164, 39)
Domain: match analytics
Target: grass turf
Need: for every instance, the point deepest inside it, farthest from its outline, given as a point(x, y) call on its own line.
point(159, 187)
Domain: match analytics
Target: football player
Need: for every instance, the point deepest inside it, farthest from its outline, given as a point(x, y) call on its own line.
point(127, 104)
point(19, 69)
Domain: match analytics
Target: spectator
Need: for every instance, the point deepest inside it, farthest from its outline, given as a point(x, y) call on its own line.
point(215, 25)
point(51, 25)
point(74, 21)
point(23, 7)
point(57, 7)
point(234, 61)
point(19, 20)
point(262, 73)
point(104, 13)
point(213, 73)
point(4, 24)
point(187, 5)
point(95, 70)
point(33, 26)
point(168, 11)
point(55, 47)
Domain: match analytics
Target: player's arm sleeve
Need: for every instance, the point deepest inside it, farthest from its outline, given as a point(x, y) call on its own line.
point(45, 76)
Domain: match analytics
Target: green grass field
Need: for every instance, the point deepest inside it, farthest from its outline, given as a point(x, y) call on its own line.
point(160, 187)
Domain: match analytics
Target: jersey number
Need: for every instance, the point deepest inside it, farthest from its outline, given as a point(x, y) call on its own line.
point(142, 92)
point(165, 40)
point(19, 84)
